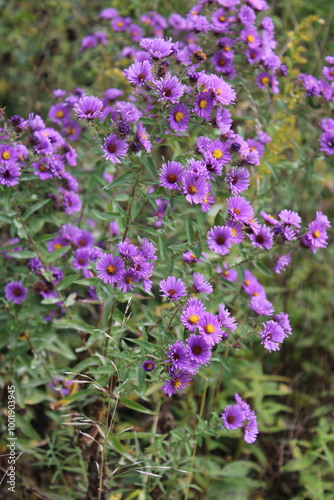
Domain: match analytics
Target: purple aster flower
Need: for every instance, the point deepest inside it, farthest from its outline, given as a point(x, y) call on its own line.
point(83, 238)
point(88, 108)
point(311, 84)
point(282, 262)
point(207, 201)
point(128, 111)
point(261, 306)
point(233, 417)
point(222, 91)
point(210, 327)
point(317, 234)
point(148, 365)
point(262, 238)
point(35, 123)
point(135, 32)
point(199, 24)
point(170, 174)
point(179, 117)
point(327, 142)
point(220, 239)
point(263, 137)
point(15, 292)
point(108, 13)
point(225, 319)
point(72, 130)
point(269, 218)
point(219, 152)
point(126, 280)
point(258, 4)
point(120, 23)
point(254, 55)
point(148, 249)
point(283, 320)
point(71, 201)
point(223, 120)
point(57, 274)
point(272, 335)
point(195, 188)
point(200, 285)
point(88, 42)
point(228, 274)
point(158, 47)
point(40, 143)
point(35, 265)
point(289, 217)
point(142, 137)
point(237, 232)
point(238, 180)
point(80, 258)
point(178, 355)
point(246, 15)
point(320, 217)
point(127, 250)
point(202, 143)
point(244, 406)
point(327, 124)
point(203, 105)
point(251, 431)
point(59, 112)
point(109, 268)
point(252, 286)
point(199, 349)
point(178, 383)
point(192, 313)
point(256, 145)
point(240, 209)
point(9, 174)
point(250, 36)
point(172, 288)
point(114, 148)
point(170, 89)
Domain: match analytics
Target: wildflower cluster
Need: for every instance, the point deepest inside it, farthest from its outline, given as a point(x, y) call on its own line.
point(241, 415)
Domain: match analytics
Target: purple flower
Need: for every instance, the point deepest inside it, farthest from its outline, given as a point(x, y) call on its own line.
point(317, 234)
point(109, 268)
point(261, 306)
point(262, 238)
point(71, 201)
point(222, 91)
point(58, 113)
point(148, 249)
point(201, 285)
point(114, 148)
point(195, 188)
point(192, 313)
point(246, 15)
point(251, 37)
point(9, 174)
point(172, 288)
point(225, 319)
point(148, 365)
point(179, 117)
point(252, 286)
point(237, 232)
point(139, 73)
point(127, 250)
point(142, 137)
point(240, 209)
point(158, 47)
point(228, 274)
point(238, 180)
point(219, 152)
point(178, 355)
point(170, 174)
point(128, 111)
point(35, 265)
point(203, 105)
point(80, 258)
point(199, 349)
point(178, 383)
point(223, 120)
point(169, 89)
point(120, 23)
point(88, 108)
point(210, 327)
point(283, 320)
point(15, 292)
point(282, 262)
point(327, 142)
point(220, 239)
point(290, 218)
point(126, 280)
point(272, 335)
point(233, 417)
point(251, 431)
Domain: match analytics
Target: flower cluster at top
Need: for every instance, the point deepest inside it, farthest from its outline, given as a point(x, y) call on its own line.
point(323, 88)
point(240, 415)
point(233, 23)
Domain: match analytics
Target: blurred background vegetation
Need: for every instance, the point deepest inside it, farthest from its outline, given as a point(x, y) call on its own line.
point(292, 390)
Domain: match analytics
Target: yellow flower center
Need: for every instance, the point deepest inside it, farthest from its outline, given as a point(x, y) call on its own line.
point(246, 282)
point(111, 269)
point(57, 246)
point(217, 154)
point(255, 294)
point(205, 200)
point(143, 136)
point(193, 319)
point(221, 62)
point(178, 116)
point(6, 155)
point(250, 38)
point(60, 114)
point(148, 21)
point(264, 80)
point(203, 103)
point(192, 189)
point(226, 274)
point(209, 329)
point(177, 383)
point(234, 232)
point(236, 211)
point(316, 234)
point(227, 48)
point(221, 19)
point(217, 91)
point(21, 158)
point(119, 24)
point(252, 148)
point(193, 256)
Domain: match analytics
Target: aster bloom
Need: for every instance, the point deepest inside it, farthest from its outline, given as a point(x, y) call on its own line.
point(327, 142)
point(158, 47)
point(203, 105)
point(237, 232)
point(262, 238)
point(170, 89)
point(252, 286)
point(192, 313)
point(223, 120)
point(200, 285)
point(238, 180)
point(240, 209)
point(88, 108)
point(210, 327)
point(199, 349)
point(283, 320)
point(220, 239)
point(172, 288)
point(71, 201)
point(148, 249)
point(143, 137)
point(178, 355)
point(139, 73)
point(178, 382)
point(127, 279)
point(219, 152)
point(250, 36)
point(272, 335)
point(171, 174)
point(120, 23)
point(195, 188)
point(148, 365)
point(225, 319)
point(109, 268)
point(114, 148)
point(15, 292)
point(59, 112)
point(128, 111)
point(317, 234)
point(80, 258)
point(179, 117)
point(289, 217)
point(282, 263)
point(222, 91)
point(233, 417)
point(251, 431)
point(127, 250)
point(228, 274)
point(9, 174)
point(35, 265)
point(261, 306)
point(269, 218)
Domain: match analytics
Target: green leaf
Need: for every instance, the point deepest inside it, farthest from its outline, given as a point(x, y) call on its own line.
point(72, 323)
point(66, 282)
point(34, 208)
point(149, 165)
point(24, 254)
point(56, 254)
point(162, 249)
point(170, 266)
point(108, 216)
point(218, 219)
point(122, 180)
point(190, 231)
point(261, 267)
point(136, 406)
